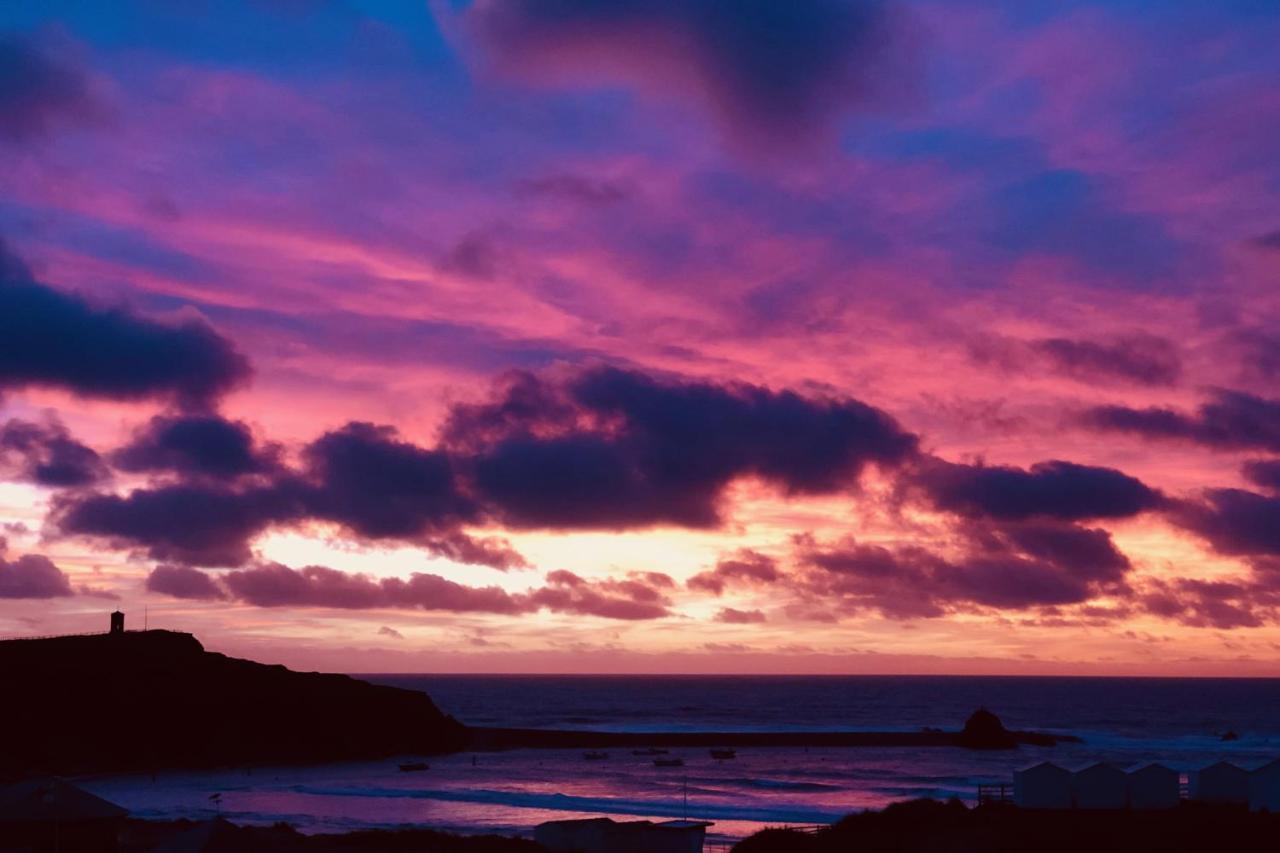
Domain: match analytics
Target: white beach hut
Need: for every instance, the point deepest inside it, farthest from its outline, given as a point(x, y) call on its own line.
point(1264, 788)
point(1100, 786)
point(1223, 782)
point(1044, 786)
point(1154, 786)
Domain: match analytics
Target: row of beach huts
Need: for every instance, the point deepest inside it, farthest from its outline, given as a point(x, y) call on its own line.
point(1153, 786)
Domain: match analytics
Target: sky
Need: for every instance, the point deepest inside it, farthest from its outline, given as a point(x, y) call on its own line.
point(835, 336)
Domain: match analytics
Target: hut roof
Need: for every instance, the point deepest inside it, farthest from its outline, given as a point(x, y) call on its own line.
point(1153, 767)
point(49, 799)
point(1101, 767)
point(1223, 767)
point(1045, 767)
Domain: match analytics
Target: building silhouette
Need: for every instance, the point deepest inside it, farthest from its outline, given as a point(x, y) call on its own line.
point(1100, 786)
point(1264, 788)
point(1106, 787)
point(1044, 786)
point(1223, 782)
point(1154, 786)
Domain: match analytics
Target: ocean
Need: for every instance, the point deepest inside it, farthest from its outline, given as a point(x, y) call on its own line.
point(1128, 721)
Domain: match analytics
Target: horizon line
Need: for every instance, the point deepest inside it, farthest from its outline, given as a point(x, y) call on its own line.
point(692, 675)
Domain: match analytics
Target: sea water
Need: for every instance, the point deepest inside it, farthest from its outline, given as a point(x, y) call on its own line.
point(1129, 721)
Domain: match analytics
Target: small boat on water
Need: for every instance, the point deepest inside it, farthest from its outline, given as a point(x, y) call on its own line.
point(595, 756)
point(653, 750)
point(668, 762)
point(414, 766)
point(724, 754)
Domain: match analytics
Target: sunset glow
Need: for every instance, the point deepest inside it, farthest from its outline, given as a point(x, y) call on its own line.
point(510, 336)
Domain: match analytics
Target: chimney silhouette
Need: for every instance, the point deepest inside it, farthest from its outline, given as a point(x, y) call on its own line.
point(117, 622)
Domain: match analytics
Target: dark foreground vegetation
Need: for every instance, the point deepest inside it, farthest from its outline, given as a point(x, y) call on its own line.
point(929, 826)
point(140, 836)
point(151, 700)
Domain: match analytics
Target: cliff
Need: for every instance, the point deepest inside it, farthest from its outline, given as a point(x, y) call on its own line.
point(149, 700)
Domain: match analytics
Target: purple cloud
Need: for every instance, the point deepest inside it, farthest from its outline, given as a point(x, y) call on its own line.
point(1140, 359)
point(603, 448)
point(576, 188)
point(208, 525)
point(1270, 240)
point(360, 476)
point(1052, 489)
point(32, 576)
point(274, 585)
point(1232, 420)
point(1224, 605)
point(611, 448)
point(1264, 473)
point(1258, 351)
point(746, 566)
point(47, 455)
point(732, 616)
point(183, 582)
point(639, 596)
point(56, 339)
point(1009, 566)
point(39, 90)
point(635, 597)
point(492, 551)
point(196, 445)
point(1234, 521)
point(379, 486)
point(772, 73)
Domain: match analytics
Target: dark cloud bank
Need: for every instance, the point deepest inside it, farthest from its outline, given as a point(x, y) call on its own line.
point(603, 448)
point(1025, 541)
point(606, 448)
point(597, 448)
point(610, 448)
point(54, 339)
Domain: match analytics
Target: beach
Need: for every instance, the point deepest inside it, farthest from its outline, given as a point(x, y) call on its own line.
point(1127, 721)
